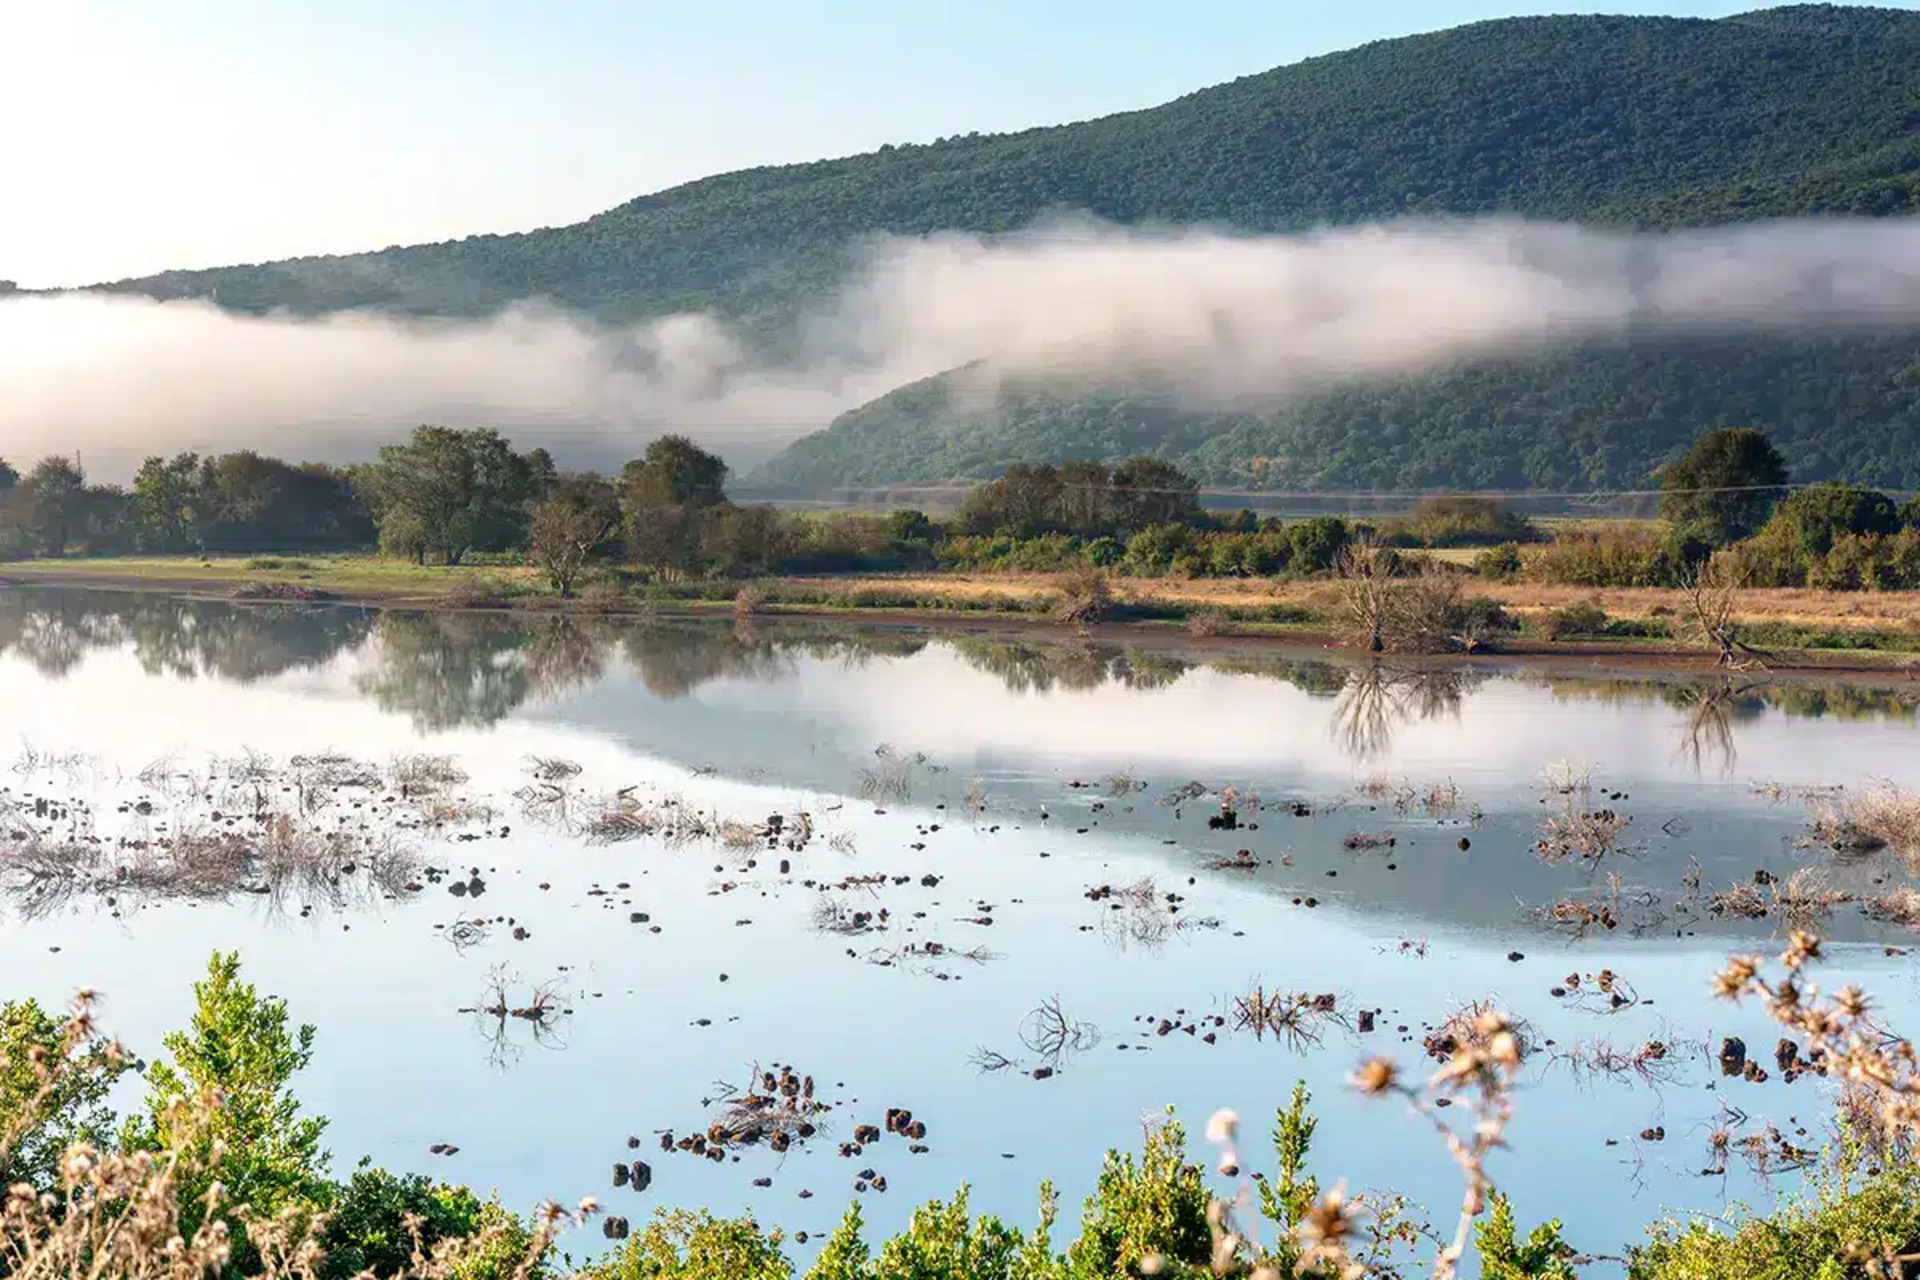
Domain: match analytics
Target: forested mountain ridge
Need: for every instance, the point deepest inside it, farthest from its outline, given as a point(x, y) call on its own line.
point(1629, 121)
point(1626, 122)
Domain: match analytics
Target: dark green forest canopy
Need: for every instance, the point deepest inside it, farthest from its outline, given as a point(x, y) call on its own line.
point(1608, 121)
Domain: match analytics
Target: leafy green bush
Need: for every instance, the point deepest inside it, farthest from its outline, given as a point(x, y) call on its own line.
point(1583, 619)
point(1819, 513)
point(241, 1047)
point(1317, 543)
point(1543, 1256)
point(1810, 1240)
point(368, 1221)
point(1501, 563)
point(74, 1106)
point(1461, 520)
point(1599, 560)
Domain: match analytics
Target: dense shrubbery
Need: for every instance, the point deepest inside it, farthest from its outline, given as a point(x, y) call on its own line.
point(1459, 520)
point(236, 1155)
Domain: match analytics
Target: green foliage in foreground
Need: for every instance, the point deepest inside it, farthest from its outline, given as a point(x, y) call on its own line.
point(1150, 1210)
point(1833, 1234)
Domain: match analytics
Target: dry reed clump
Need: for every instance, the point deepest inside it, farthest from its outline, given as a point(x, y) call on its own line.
point(552, 769)
point(1581, 832)
point(422, 774)
point(830, 915)
point(1204, 624)
point(1798, 901)
point(1885, 817)
point(890, 778)
point(1652, 1062)
point(1433, 800)
point(278, 859)
point(777, 1108)
point(1897, 906)
point(1605, 992)
point(1296, 1017)
point(1083, 597)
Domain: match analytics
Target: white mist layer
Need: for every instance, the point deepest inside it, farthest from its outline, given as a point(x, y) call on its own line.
point(1203, 315)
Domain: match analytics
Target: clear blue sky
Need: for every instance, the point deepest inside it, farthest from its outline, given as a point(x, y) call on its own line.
point(143, 135)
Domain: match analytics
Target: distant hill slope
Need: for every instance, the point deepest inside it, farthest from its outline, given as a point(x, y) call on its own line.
point(1650, 122)
point(1593, 418)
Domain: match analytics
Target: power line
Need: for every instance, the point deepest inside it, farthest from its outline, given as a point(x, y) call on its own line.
point(967, 486)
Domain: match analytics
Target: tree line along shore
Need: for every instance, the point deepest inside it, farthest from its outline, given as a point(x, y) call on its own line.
point(460, 518)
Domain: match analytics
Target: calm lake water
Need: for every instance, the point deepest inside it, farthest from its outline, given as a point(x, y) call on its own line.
point(975, 788)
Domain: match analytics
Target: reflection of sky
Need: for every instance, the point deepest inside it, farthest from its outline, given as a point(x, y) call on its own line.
point(398, 1068)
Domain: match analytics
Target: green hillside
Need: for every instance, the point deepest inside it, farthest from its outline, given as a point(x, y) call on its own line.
point(1592, 418)
point(1645, 122)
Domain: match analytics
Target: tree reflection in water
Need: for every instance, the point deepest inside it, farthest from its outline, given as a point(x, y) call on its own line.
point(447, 670)
point(1377, 699)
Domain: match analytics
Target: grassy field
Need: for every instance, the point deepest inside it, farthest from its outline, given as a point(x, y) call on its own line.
point(1787, 619)
point(369, 578)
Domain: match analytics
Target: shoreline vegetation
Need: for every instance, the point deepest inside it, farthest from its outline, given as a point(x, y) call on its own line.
point(1828, 631)
point(1742, 569)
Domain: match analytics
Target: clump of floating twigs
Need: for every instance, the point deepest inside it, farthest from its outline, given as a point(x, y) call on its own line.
point(1607, 906)
point(1602, 992)
point(1297, 1017)
point(1652, 1062)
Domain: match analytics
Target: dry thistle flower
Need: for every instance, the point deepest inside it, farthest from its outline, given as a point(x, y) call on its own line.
point(1801, 948)
point(1732, 982)
point(1223, 1125)
point(1852, 1002)
point(1323, 1232)
point(1376, 1076)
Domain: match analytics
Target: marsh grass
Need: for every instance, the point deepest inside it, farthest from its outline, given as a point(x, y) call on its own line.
point(1577, 831)
point(1883, 817)
point(280, 860)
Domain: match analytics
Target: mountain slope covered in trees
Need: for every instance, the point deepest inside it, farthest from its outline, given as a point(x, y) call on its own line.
point(1644, 122)
point(1599, 417)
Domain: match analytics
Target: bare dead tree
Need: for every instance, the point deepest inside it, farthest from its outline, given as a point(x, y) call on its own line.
point(1712, 592)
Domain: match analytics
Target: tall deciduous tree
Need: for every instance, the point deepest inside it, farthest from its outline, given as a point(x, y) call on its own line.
point(1726, 485)
point(667, 493)
point(1147, 492)
point(677, 472)
point(8, 478)
point(579, 515)
point(55, 494)
point(166, 503)
point(457, 491)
